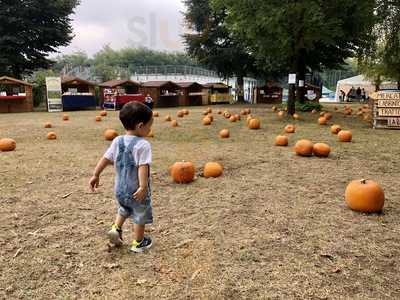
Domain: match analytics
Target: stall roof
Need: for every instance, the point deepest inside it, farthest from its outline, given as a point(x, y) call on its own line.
point(158, 83)
point(216, 85)
point(118, 82)
point(70, 79)
point(15, 80)
point(188, 84)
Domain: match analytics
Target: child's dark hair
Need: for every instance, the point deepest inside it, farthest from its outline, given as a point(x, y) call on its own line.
point(133, 113)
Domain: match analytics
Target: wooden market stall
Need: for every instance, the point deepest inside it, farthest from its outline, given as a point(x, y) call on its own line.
point(271, 92)
point(15, 95)
point(191, 93)
point(77, 93)
point(312, 92)
point(115, 93)
point(219, 92)
point(164, 93)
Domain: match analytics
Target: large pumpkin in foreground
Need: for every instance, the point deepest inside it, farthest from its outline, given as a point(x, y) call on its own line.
point(304, 148)
point(183, 172)
point(213, 169)
point(7, 144)
point(365, 196)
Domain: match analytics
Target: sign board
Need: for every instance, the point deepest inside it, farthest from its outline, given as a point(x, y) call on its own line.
point(386, 109)
point(54, 93)
point(301, 83)
point(292, 78)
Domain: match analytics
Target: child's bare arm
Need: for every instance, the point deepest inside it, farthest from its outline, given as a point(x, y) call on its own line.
point(141, 192)
point(101, 165)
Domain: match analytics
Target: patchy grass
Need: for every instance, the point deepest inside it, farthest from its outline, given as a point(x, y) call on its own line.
point(274, 226)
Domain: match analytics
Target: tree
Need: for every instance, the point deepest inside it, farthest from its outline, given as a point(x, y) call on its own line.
point(213, 45)
point(301, 35)
point(30, 30)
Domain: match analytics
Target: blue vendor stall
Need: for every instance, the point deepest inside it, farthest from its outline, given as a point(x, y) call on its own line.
point(78, 94)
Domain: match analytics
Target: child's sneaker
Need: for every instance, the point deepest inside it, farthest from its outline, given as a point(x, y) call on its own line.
point(115, 235)
point(139, 247)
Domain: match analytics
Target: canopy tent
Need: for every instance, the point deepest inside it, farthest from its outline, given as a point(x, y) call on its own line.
point(362, 82)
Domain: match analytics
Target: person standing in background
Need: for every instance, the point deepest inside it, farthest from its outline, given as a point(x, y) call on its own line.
point(149, 101)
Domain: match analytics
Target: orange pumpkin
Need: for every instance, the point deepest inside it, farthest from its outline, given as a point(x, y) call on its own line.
point(365, 196)
point(328, 116)
point(249, 117)
point(296, 116)
point(254, 124)
point(174, 123)
point(7, 144)
point(168, 119)
point(185, 111)
point(180, 114)
point(247, 110)
point(243, 112)
point(281, 114)
point(321, 150)
point(237, 117)
point(110, 134)
point(281, 140)
point(209, 110)
point(213, 169)
point(290, 128)
point(65, 117)
point(304, 148)
point(322, 121)
point(103, 113)
point(183, 172)
point(47, 125)
point(224, 133)
point(206, 121)
point(345, 136)
point(232, 119)
point(156, 114)
point(227, 115)
point(211, 117)
point(98, 119)
point(205, 113)
point(335, 129)
point(51, 136)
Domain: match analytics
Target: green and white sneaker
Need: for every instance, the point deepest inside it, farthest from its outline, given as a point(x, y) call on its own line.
point(139, 247)
point(115, 235)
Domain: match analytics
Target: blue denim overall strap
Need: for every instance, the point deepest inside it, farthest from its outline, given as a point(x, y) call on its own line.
point(127, 171)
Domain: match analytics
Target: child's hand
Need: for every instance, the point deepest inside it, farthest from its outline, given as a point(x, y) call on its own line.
point(140, 194)
point(94, 183)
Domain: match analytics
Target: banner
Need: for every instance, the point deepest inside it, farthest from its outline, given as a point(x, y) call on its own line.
point(54, 93)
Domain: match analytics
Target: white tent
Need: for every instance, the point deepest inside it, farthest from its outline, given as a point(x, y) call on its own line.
point(362, 82)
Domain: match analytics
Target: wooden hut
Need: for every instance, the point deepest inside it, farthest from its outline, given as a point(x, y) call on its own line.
point(15, 95)
point(115, 93)
point(191, 93)
point(164, 93)
point(77, 93)
point(219, 92)
point(272, 92)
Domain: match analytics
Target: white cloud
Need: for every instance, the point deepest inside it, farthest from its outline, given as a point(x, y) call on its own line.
point(156, 24)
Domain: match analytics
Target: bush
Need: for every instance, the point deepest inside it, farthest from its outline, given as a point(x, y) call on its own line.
point(307, 106)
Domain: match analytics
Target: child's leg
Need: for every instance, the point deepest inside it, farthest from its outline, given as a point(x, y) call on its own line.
point(138, 231)
point(119, 220)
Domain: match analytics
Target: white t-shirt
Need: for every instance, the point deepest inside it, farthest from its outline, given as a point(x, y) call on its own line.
point(141, 150)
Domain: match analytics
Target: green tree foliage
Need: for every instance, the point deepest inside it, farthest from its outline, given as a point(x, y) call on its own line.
point(214, 45)
point(30, 30)
point(301, 35)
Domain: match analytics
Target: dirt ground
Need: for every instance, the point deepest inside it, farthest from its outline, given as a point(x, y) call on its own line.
point(275, 226)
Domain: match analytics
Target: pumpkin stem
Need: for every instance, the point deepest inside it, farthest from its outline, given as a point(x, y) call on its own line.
point(363, 181)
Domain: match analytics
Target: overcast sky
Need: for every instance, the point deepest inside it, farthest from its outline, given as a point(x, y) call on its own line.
point(156, 24)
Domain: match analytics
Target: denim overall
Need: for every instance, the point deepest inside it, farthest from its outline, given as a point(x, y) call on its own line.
point(126, 184)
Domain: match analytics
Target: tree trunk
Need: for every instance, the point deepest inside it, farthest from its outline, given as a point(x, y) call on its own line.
point(291, 100)
point(398, 85)
point(240, 89)
point(301, 68)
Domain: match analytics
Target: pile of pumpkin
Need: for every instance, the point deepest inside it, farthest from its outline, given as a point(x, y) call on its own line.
point(184, 172)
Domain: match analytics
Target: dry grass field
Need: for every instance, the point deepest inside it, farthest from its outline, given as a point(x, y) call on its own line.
point(274, 226)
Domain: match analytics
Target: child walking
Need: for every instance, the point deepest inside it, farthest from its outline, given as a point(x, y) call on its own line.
point(131, 156)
